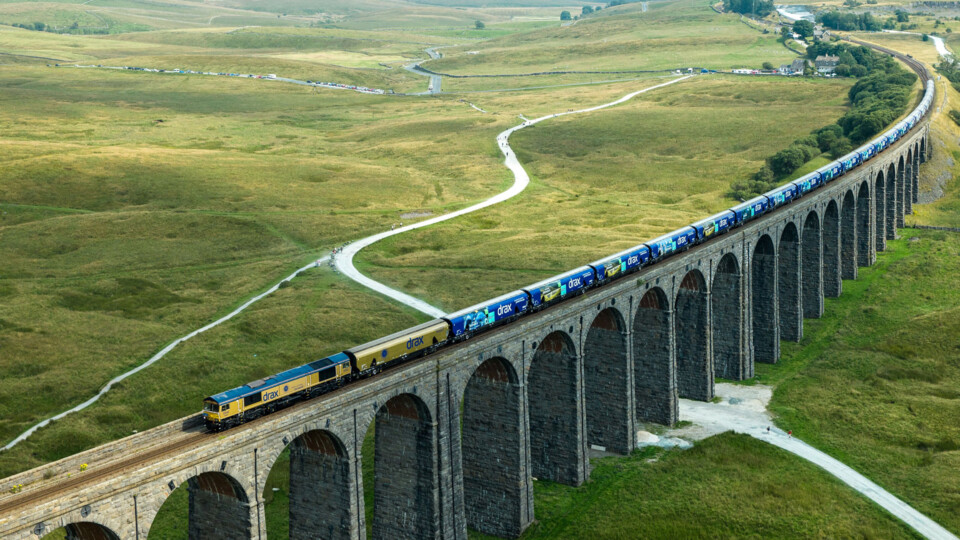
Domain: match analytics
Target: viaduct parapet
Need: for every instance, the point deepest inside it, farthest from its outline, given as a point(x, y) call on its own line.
point(535, 395)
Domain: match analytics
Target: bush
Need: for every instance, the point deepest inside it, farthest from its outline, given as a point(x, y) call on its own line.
point(565, 15)
point(840, 147)
point(756, 7)
point(786, 161)
point(955, 115)
point(827, 136)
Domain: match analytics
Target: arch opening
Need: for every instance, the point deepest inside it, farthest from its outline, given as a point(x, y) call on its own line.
point(864, 238)
point(215, 504)
point(555, 423)
point(726, 310)
point(694, 369)
point(832, 285)
point(912, 165)
point(82, 530)
point(880, 211)
point(606, 383)
point(404, 457)
point(891, 181)
point(653, 362)
point(903, 176)
point(918, 158)
point(848, 237)
point(812, 268)
point(766, 337)
point(788, 284)
point(498, 498)
point(314, 487)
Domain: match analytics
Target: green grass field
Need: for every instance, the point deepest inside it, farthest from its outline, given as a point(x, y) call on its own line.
point(606, 181)
point(135, 207)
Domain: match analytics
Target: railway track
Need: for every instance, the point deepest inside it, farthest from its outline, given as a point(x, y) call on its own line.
point(194, 436)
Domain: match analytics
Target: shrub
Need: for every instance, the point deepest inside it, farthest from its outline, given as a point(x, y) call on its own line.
point(955, 115)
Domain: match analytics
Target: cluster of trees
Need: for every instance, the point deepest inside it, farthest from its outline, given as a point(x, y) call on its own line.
point(753, 7)
point(802, 28)
point(877, 99)
point(949, 67)
point(72, 29)
point(849, 21)
point(586, 10)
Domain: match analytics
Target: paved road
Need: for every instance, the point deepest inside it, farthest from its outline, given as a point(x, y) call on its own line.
point(436, 81)
point(344, 260)
point(742, 409)
point(937, 41)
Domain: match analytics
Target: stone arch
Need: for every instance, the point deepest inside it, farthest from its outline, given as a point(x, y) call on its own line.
point(908, 196)
point(893, 202)
point(811, 267)
point(321, 488)
point(556, 438)
point(654, 378)
point(83, 530)
point(880, 211)
point(832, 285)
point(923, 148)
point(607, 384)
point(788, 284)
point(766, 337)
point(218, 507)
point(848, 237)
point(694, 369)
point(863, 226)
point(726, 311)
point(918, 158)
point(405, 479)
point(893, 173)
point(498, 498)
point(903, 176)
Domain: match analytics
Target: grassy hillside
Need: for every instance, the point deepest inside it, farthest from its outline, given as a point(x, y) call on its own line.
point(668, 36)
point(606, 181)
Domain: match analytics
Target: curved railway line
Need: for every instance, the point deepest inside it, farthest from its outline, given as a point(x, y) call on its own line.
point(193, 433)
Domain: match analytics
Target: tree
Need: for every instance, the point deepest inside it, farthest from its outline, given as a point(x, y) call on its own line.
point(565, 15)
point(586, 10)
point(786, 161)
point(925, 38)
point(902, 16)
point(479, 25)
point(804, 28)
point(755, 7)
point(767, 65)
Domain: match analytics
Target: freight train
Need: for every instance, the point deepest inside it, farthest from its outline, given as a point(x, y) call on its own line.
point(254, 399)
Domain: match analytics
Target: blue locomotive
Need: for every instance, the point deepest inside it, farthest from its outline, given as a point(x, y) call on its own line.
point(251, 400)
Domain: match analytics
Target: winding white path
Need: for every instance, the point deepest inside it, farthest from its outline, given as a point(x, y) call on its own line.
point(163, 352)
point(345, 263)
point(344, 260)
point(743, 409)
point(937, 41)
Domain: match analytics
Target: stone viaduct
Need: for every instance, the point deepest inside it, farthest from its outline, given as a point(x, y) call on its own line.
point(461, 434)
